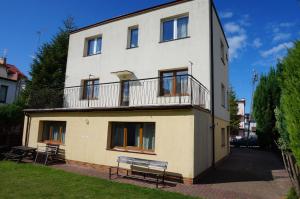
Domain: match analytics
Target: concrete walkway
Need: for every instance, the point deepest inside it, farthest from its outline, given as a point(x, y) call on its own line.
point(246, 174)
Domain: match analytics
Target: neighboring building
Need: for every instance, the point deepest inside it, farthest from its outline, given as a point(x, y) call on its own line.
point(141, 85)
point(12, 81)
point(252, 129)
point(241, 112)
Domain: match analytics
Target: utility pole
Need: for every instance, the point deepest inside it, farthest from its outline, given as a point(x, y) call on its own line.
point(254, 80)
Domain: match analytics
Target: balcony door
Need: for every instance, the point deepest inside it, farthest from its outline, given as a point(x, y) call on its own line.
point(124, 93)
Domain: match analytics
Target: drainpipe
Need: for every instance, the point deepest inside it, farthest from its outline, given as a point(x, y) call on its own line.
point(212, 80)
point(27, 128)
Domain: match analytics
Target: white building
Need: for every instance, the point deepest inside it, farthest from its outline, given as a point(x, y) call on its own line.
point(11, 82)
point(150, 84)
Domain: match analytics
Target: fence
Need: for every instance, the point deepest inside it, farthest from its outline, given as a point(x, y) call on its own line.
point(292, 168)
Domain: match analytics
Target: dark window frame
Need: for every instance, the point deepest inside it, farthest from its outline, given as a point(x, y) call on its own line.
point(84, 90)
point(125, 146)
point(6, 92)
point(174, 82)
point(62, 132)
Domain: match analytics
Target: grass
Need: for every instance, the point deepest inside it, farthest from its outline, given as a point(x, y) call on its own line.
point(34, 181)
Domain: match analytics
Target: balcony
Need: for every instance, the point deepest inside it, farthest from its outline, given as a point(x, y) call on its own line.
point(151, 92)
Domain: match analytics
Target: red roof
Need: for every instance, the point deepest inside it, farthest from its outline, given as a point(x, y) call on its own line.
point(17, 74)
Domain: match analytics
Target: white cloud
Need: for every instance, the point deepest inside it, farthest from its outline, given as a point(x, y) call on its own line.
point(276, 50)
point(236, 43)
point(226, 15)
point(232, 27)
point(257, 43)
point(286, 24)
point(281, 36)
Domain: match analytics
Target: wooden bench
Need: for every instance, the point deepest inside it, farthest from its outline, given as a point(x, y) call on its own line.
point(142, 168)
point(49, 151)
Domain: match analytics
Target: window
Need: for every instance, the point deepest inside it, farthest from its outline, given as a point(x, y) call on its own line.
point(223, 137)
point(133, 136)
point(174, 83)
point(223, 54)
point(175, 28)
point(54, 132)
point(94, 46)
point(3, 93)
point(90, 89)
point(223, 95)
point(133, 37)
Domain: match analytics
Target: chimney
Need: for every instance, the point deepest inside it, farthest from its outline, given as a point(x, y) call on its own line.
point(2, 60)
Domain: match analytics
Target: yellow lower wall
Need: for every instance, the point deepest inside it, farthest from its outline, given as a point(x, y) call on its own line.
point(86, 136)
point(221, 151)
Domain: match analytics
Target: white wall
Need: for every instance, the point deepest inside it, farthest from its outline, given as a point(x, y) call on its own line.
point(220, 71)
point(151, 56)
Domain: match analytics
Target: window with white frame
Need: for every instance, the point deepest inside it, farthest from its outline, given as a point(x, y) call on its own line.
point(93, 46)
point(133, 37)
point(174, 28)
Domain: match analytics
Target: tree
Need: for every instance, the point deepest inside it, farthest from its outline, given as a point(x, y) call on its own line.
point(290, 99)
point(45, 89)
point(266, 99)
point(233, 108)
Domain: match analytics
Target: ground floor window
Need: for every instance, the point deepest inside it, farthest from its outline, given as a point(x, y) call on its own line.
point(132, 135)
point(223, 137)
point(54, 132)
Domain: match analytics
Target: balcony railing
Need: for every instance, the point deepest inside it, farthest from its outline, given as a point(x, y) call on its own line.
point(159, 91)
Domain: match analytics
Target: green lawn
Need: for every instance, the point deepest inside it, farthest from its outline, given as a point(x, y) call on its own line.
point(33, 181)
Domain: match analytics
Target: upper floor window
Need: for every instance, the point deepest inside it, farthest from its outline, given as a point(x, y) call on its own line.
point(3, 93)
point(174, 28)
point(174, 82)
point(223, 95)
point(90, 89)
point(223, 53)
point(223, 137)
point(94, 46)
point(133, 37)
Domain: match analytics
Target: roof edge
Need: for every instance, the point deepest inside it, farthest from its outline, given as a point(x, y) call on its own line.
point(132, 14)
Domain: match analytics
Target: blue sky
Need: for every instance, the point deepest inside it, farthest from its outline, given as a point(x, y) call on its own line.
point(258, 31)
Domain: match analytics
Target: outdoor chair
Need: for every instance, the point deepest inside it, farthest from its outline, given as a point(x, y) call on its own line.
point(49, 152)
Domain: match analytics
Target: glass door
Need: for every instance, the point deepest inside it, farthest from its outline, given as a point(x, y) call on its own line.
point(125, 93)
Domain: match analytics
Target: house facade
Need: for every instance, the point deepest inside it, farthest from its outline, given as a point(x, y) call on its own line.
point(150, 84)
point(12, 81)
point(241, 113)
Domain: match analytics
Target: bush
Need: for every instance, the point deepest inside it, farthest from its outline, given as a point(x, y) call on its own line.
point(292, 194)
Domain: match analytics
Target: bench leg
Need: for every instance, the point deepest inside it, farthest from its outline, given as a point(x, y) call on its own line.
point(36, 156)
point(109, 173)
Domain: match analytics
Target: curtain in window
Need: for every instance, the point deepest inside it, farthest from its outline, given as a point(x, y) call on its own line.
point(182, 27)
point(91, 44)
point(98, 45)
point(148, 137)
point(181, 82)
point(117, 135)
point(134, 38)
point(96, 88)
point(167, 83)
point(55, 133)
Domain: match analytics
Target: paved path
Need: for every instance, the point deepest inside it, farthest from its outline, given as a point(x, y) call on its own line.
point(246, 174)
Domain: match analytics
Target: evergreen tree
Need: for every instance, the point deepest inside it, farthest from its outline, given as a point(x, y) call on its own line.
point(234, 117)
point(266, 99)
point(290, 99)
point(45, 89)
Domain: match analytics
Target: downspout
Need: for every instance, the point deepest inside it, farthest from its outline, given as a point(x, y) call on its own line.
point(212, 84)
point(27, 128)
